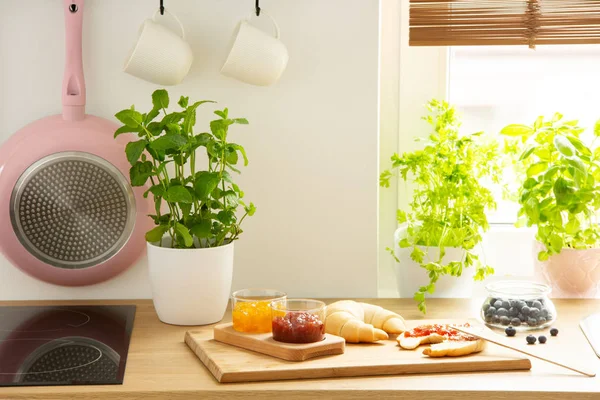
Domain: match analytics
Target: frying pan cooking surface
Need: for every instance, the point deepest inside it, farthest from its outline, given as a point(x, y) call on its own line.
point(72, 209)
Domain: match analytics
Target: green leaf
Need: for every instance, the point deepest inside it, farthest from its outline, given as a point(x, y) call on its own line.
point(232, 157)
point(516, 130)
point(226, 217)
point(527, 153)
point(572, 227)
point(134, 150)
point(140, 172)
point(126, 129)
point(178, 194)
point(202, 229)
point(401, 216)
point(563, 145)
point(217, 127)
point(241, 121)
point(231, 197)
point(168, 142)
point(597, 128)
point(543, 255)
point(537, 168)
point(183, 101)
point(157, 233)
point(578, 144)
point(241, 150)
point(129, 117)
point(221, 114)
point(183, 232)
point(530, 183)
point(156, 190)
point(538, 122)
point(205, 183)
point(160, 99)
point(250, 209)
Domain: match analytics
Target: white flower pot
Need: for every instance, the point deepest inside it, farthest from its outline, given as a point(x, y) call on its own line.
point(410, 276)
point(571, 273)
point(190, 286)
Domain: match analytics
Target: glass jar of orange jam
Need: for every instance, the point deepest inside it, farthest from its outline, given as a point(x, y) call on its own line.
point(250, 309)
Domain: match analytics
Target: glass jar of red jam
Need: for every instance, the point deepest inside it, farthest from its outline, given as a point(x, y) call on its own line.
point(298, 320)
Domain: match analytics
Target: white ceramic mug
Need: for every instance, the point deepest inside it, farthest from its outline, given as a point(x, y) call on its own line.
point(255, 57)
point(160, 55)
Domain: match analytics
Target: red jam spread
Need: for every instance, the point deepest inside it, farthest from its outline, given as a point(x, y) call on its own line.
point(298, 327)
point(443, 330)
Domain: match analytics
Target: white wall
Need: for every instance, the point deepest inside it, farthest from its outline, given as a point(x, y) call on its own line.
point(312, 141)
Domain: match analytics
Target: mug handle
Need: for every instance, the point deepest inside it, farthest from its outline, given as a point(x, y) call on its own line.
point(262, 12)
point(175, 18)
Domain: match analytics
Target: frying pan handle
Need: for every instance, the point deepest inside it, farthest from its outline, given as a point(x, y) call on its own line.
point(73, 91)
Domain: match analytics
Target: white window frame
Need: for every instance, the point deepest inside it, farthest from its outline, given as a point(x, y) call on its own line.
point(409, 77)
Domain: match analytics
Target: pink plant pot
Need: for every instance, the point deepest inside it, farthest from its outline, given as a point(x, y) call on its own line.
point(571, 273)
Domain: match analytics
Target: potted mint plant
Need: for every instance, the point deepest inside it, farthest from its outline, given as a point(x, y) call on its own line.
point(439, 235)
point(559, 195)
point(198, 211)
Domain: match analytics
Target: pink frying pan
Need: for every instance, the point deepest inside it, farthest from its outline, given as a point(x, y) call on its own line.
point(68, 215)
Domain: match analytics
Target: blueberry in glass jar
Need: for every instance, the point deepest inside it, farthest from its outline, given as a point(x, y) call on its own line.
point(515, 322)
point(485, 307)
point(513, 311)
point(537, 304)
point(532, 322)
point(525, 311)
point(502, 312)
point(491, 311)
point(505, 304)
point(498, 304)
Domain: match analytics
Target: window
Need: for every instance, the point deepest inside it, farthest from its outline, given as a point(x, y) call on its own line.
point(496, 86)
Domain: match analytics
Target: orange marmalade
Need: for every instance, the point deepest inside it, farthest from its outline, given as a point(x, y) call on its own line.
point(442, 330)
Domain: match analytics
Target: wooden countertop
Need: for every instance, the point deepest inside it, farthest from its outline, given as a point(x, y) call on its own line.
point(160, 366)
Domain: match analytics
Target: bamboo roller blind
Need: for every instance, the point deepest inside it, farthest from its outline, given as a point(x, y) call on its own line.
point(504, 22)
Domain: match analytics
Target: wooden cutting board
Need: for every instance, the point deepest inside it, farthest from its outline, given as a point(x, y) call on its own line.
point(233, 364)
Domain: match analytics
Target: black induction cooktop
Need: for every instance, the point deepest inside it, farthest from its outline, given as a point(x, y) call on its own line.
point(64, 345)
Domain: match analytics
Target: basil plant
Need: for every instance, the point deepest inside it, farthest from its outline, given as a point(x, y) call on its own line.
point(559, 190)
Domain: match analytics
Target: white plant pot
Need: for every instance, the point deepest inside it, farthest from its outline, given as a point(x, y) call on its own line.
point(571, 273)
point(190, 286)
point(410, 276)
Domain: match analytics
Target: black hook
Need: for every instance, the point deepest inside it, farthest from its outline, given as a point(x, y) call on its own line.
point(257, 7)
point(162, 8)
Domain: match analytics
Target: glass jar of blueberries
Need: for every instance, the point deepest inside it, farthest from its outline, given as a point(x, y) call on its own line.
point(523, 305)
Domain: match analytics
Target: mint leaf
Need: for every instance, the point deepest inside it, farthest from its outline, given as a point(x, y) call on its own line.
point(127, 129)
point(168, 142)
point(129, 117)
point(157, 233)
point(178, 194)
point(133, 150)
point(160, 99)
point(205, 183)
point(140, 172)
point(183, 232)
point(202, 229)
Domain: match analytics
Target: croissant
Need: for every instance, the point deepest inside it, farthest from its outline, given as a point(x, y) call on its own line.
point(361, 322)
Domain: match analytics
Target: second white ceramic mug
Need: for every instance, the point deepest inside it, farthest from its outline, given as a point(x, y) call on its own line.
point(255, 56)
point(160, 55)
